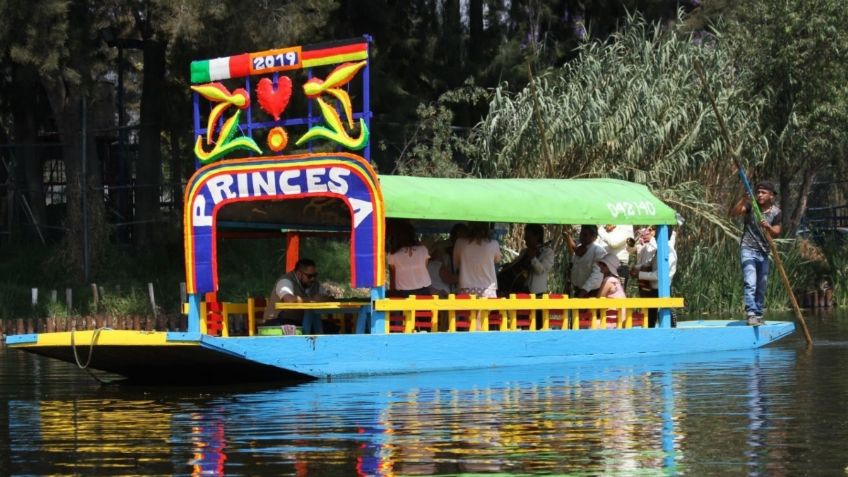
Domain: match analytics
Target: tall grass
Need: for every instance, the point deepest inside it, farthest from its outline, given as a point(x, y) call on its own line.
point(710, 277)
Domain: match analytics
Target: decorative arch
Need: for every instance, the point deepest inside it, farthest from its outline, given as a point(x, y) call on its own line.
point(337, 175)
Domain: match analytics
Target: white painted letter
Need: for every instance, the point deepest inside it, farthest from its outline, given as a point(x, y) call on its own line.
point(338, 183)
point(285, 177)
point(219, 188)
point(198, 212)
point(263, 185)
point(361, 210)
point(241, 182)
point(313, 180)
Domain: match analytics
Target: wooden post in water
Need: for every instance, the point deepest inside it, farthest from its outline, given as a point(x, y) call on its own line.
point(95, 298)
point(152, 296)
point(28, 325)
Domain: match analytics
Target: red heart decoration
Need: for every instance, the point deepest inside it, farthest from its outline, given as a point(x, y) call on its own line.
point(274, 100)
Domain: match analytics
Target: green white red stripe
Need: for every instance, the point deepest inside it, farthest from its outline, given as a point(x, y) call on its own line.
point(216, 69)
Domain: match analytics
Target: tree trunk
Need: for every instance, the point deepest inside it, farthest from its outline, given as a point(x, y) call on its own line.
point(85, 228)
point(452, 42)
point(801, 204)
point(27, 156)
point(475, 20)
point(149, 164)
point(838, 190)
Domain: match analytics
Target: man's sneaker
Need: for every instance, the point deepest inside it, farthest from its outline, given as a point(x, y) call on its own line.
point(754, 320)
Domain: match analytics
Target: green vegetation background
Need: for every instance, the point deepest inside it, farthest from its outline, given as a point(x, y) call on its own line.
point(483, 88)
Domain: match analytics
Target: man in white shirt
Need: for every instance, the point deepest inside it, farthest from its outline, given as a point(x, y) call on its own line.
point(586, 276)
point(614, 239)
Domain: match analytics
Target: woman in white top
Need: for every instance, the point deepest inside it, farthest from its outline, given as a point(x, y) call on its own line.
point(475, 257)
point(408, 263)
point(586, 276)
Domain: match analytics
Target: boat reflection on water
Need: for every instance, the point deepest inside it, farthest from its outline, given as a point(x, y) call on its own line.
point(608, 417)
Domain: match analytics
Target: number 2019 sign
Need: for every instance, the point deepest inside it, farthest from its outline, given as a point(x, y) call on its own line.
point(275, 60)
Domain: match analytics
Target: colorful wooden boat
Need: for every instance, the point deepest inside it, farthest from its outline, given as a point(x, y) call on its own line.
point(339, 192)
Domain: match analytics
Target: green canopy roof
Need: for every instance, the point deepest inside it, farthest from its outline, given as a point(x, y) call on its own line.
point(540, 201)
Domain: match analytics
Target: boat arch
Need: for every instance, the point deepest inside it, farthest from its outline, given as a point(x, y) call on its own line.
point(335, 175)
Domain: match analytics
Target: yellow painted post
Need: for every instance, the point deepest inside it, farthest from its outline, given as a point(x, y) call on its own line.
point(644, 317)
point(546, 315)
point(203, 318)
point(409, 317)
point(472, 317)
point(451, 314)
point(225, 320)
point(575, 319)
point(434, 316)
point(620, 318)
point(531, 316)
point(628, 323)
point(251, 315)
point(593, 320)
point(505, 321)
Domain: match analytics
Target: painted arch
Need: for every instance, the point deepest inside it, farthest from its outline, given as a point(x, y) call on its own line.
point(334, 175)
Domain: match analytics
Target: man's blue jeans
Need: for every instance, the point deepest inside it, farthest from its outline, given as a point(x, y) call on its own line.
point(755, 269)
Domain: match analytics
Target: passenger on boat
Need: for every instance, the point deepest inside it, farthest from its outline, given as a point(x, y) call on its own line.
point(611, 286)
point(645, 248)
point(614, 239)
point(449, 273)
point(439, 262)
point(408, 264)
point(528, 273)
point(648, 276)
point(475, 258)
point(586, 276)
point(299, 285)
point(754, 248)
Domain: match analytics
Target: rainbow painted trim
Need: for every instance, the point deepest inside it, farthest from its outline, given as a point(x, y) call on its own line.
point(347, 177)
point(283, 59)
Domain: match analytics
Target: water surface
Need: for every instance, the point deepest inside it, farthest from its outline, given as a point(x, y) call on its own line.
point(782, 410)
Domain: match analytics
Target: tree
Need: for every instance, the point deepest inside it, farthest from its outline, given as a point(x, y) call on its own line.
point(795, 54)
point(55, 39)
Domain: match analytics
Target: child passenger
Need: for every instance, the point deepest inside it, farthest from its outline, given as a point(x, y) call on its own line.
point(611, 287)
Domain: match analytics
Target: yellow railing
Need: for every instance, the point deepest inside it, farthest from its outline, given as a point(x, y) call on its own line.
point(475, 312)
point(249, 309)
point(478, 310)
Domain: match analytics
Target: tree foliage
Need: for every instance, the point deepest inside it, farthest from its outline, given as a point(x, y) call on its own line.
point(794, 53)
point(629, 107)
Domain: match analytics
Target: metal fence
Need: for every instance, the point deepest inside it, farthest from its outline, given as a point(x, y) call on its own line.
point(117, 153)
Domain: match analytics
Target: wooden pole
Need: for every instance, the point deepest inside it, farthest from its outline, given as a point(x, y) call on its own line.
point(152, 298)
point(95, 296)
point(772, 246)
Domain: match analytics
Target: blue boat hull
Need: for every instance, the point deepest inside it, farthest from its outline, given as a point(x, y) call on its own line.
point(349, 355)
point(187, 357)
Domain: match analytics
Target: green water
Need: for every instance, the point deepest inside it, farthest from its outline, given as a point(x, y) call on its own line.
point(782, 410)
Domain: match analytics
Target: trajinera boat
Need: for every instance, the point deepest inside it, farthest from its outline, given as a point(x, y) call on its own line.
point(265, 189)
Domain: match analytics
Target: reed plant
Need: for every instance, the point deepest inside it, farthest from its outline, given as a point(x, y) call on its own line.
point(132, 302)
point(835, 253)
